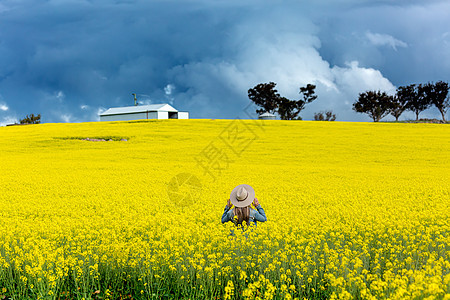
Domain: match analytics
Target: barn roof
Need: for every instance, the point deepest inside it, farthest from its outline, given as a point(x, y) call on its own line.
point(138, 109)
point(266, 114)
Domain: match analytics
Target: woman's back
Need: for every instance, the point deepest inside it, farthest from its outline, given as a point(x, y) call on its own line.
point(242, 197)
point(255, 215)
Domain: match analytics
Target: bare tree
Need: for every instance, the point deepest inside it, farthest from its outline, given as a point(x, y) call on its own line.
point(325, 116)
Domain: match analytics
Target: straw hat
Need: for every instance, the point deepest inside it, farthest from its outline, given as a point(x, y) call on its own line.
point(242, 195)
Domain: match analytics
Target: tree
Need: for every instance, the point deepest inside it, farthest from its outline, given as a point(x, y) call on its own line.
point(374, 103)
point(308, 95)
point(290, 109)
point(397, 107)
point(419, 100)
point(436, 94)
point(287, 109)
point(401, 102)
point(325, 116)
point(31, 119)
point(266, 96)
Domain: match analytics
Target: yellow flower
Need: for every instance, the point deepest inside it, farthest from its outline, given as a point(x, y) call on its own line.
point(369, 222)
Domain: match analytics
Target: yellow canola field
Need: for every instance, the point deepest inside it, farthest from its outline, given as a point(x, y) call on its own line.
point(355, 210)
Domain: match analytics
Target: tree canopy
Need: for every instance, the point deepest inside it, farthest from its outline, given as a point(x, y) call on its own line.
point(31, 119)
point(398, 106)
point(418, 101)
point(374, 103)
point(308, 93)
point(288, 109)
point(437, 94)
point(267, 97)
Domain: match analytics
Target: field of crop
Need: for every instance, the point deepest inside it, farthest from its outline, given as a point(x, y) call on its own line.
point(355, 210)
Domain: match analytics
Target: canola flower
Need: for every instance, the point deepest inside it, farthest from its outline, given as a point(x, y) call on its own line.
point(355, 210)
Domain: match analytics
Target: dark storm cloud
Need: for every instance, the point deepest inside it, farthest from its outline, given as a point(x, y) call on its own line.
point(68, 60)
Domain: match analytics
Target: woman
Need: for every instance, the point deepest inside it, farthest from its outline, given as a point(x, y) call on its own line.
point(242, 197)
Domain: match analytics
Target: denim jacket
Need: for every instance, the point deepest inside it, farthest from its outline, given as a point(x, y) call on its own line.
point(257, 214)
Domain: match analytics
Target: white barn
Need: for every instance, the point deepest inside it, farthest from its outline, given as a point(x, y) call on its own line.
point(139, 112)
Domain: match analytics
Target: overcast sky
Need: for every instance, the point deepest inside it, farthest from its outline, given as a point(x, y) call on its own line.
point(71, 59)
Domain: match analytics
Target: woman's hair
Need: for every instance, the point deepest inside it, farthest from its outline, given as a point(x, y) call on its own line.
point(243, 214)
